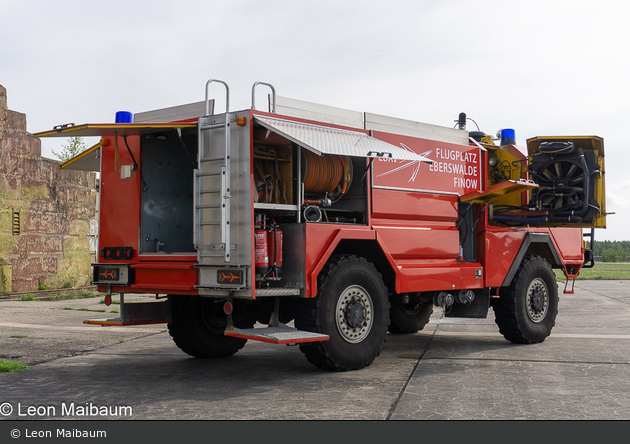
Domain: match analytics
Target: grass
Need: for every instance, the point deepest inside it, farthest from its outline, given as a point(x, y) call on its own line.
point(65, 307)
point(79, 294)
point(67, 294)
point(601, 271)
point(24, 336)
point(12, 366)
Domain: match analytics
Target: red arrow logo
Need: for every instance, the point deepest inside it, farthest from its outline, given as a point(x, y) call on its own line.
point(230, 276)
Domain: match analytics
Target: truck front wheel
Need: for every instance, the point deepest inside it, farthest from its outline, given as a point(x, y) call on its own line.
point(352, 308)
point(526, 311)
point(198, 328)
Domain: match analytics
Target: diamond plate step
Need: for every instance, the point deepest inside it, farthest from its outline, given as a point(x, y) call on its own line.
point(277, 335)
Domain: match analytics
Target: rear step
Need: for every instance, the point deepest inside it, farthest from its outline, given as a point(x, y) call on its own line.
point(118, 322)
point(144, 313)
point(276, 335)
point(141, 313)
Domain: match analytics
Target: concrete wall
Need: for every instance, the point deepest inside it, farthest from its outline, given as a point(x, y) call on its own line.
point(57, 211)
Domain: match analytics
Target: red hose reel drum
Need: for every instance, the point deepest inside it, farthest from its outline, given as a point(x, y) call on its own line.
point(326, 174)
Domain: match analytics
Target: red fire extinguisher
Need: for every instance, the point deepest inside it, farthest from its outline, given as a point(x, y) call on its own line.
point(262, 252)
point(268, 239)
point(274, 241)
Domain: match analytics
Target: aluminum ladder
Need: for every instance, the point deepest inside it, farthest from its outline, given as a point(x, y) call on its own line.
point(212, 186)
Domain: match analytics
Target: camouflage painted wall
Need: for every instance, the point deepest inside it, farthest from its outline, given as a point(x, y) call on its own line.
point(54, 211)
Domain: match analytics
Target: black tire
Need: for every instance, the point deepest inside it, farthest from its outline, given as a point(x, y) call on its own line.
point(352, 308)
point(526, 311)
point(198, 328)
point(410, 317)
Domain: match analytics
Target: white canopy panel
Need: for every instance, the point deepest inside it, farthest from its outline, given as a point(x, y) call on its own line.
point(324, 140)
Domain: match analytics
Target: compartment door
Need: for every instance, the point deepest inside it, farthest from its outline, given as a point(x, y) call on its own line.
point(569, 172)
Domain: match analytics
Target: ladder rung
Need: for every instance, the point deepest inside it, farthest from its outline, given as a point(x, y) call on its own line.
point(209, 174)
point(214, 248)
point(208, 206)
point(203, 247)
point(212, 191)
point(213, 126)
point(212, 159)
point(211, 223)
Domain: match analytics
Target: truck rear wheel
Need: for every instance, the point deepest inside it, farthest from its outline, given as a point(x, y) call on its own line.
point(526, 311)
point(352, 308)
point(408, 317)
point(198, 328)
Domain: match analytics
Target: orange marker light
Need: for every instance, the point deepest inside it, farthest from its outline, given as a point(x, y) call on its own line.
point(241, 121)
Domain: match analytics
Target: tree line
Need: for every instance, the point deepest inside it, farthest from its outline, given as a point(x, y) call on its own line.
point(611, 251)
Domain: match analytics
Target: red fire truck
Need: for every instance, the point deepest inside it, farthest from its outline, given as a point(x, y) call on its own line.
point(344, 225)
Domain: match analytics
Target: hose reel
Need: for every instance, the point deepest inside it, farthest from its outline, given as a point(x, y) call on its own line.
point(327, 175)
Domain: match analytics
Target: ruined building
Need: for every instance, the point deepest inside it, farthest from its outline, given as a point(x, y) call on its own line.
point(48, 221)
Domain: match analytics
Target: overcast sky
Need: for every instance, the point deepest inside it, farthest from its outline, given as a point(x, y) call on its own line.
point(540, 67)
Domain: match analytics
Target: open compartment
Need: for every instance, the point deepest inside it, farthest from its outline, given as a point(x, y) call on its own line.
point(167, 167)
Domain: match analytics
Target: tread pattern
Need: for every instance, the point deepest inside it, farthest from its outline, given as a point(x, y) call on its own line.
point(309, 312)
point(509, 310)
point(192, 335)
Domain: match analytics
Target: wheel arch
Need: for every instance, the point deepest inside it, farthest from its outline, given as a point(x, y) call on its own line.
point(359, 243)
point(539, 244)
point(372, 252)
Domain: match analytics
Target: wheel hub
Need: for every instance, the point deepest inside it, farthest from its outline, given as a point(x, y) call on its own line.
point(537, 300)
point(354, 314)
point(412, 308)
